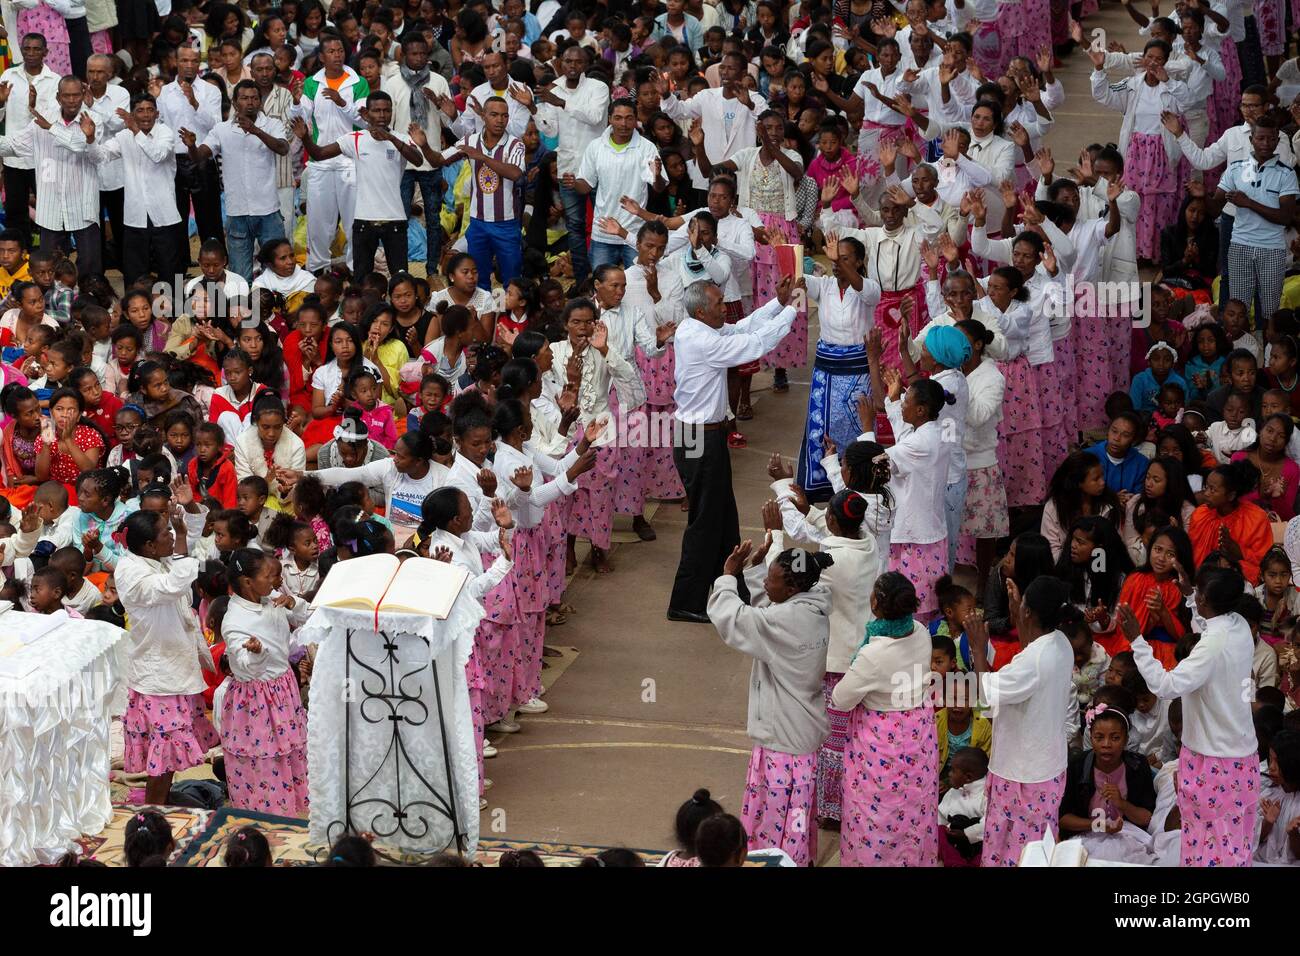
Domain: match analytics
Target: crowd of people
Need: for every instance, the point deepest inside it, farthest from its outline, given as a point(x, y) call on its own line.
point(1023, 463)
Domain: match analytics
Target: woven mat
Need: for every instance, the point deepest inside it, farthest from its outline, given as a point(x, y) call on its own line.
point(107, 847)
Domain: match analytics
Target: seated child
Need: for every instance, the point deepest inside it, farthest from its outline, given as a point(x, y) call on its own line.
point(1277, 594)
point(363, 389)
point(212, 471)
point(1236, 432)
point(955, 605)
point(45, 592)
point(1279, 835)
point(961, 811)
point(1264, 663)
point(1242, 379)
point(1124, 466)
point(1149, 734)
point(434, 392)
point(250, 498)
point(958, 725)
point(1090, 662)
point(299, 552)
point(80, 595)
point(58, 518)
point(1147, 384)
point(1278, 402)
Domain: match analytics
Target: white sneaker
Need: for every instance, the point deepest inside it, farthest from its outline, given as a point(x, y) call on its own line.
point(482, 804)
point(505, 726)
point(488, 750)
point(487, 784)
point(534, 706)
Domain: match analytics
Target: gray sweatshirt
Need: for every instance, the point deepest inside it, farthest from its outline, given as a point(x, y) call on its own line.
point(787, 711)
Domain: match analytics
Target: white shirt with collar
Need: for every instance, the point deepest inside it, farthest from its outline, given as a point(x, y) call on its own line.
point(845, 315)
point(148, 166)
point(248, 165)
point(176, 111)
point(669, 282)
point(703, 355)
point(108, 124)
point(67, 182)
point(15, 112)
point(466, 552)
point(1214, 683)
point(1031, 698)
point(468, 123)
point(735, 238)
point(998, 156)
point(581, 121)
point(630, 328)
point(1232, 145)
point(613, 173)
point(987, 387)
point(918, 464)
point(729, 126)
point(970, 800)
point(272, 626)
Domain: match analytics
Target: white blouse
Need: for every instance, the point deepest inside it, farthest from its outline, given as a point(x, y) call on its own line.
point(1032, 698)
point(1213, 682)
point(272, 626)
point(919, 466)
point(529, 508)
point(845, 316)
point(168, 653)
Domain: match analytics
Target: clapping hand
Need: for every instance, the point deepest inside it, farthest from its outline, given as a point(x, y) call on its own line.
point(522, 479)
point(501, 514)
point(487, 481)
point(253, 646)
point(735, 562)
point(777, 469)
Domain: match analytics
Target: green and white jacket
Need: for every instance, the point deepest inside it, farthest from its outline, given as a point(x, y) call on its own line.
point(329, 121)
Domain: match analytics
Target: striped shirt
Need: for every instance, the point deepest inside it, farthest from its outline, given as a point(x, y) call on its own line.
point(490, 198)
point(67, 179)
point(277, 105)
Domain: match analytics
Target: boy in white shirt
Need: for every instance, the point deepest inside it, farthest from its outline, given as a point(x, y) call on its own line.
point(961, 811)
point(58, 518)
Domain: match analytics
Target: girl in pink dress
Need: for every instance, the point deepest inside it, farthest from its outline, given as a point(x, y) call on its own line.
point(786, 628)
point(263, 723)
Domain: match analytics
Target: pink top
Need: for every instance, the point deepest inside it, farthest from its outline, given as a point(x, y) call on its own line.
point(822, 169)
point(379, 421)
point(1099, 779)
point(1283, 504)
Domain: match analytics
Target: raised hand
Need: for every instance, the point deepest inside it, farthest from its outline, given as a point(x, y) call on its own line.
point(487, 481)
point(522, 479)
point(501, 514)
point(735, 562)
point(1172, 122)
point(442, 553)
point(777, 469)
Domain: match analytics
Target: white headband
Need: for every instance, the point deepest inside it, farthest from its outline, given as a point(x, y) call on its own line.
point(1162, 345)
point(344, 431)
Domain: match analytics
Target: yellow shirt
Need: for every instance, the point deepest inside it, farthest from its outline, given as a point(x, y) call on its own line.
point(7, 279)
point(981, 734)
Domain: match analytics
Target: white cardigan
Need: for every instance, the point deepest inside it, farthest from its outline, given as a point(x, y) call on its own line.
point(1117, 96)
point(887, 674)
point(747, 159)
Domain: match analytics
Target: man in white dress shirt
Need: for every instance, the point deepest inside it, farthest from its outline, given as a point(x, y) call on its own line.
point(103, 101)
point(190, 103)
point(573, 110)
point(518, 99)
point(249, 144)
point(729, 114)
point(67, 200)
point(706, 348)
point(16, 83)
point(146, 151)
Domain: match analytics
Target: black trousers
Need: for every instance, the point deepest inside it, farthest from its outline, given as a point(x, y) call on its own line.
point(201, 185)
point(158, 246)
point(20, 185)
point(111, 201)
point(713, 527)
point(89, 261)
point(78, 45)
point(368, 235)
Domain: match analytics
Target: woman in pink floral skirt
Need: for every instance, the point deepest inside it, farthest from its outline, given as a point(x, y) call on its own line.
point(1218, 768)
point(890, 801)
point(1030, 700)
point(785, 630)
point(165, 725)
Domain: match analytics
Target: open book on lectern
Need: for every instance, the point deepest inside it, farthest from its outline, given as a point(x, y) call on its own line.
point(380, 582)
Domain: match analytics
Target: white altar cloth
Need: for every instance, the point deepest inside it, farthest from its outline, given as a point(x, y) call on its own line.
point(54, 738)
point(374, 757)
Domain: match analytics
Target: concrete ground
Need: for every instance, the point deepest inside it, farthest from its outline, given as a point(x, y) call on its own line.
point(651, 710)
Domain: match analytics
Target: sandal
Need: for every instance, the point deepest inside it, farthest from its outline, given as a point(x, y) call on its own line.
point(550, 652)
point(744, 411)
point(555, 618)
point(566, 609)
point(737, 440)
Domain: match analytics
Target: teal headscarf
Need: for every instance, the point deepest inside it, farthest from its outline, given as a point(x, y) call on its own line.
point(948, 345)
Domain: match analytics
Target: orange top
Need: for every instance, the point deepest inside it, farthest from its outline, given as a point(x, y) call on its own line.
point(1248, 525)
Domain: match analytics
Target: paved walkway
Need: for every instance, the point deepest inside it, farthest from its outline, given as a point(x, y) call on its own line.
point(651, 710)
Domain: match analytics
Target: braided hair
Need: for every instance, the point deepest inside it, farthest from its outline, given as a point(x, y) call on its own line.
point(803, 569)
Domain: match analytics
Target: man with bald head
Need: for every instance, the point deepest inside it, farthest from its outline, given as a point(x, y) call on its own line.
point(67, 182)
point(190, 103)
point(103, 99)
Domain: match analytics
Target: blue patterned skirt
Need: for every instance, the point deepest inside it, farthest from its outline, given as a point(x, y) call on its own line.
point(840, 374)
